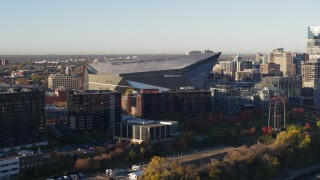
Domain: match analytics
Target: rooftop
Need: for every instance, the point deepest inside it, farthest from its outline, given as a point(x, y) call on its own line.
point(148, 63)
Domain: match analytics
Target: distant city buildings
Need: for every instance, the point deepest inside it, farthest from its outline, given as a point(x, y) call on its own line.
point(248, 75)
point(290, 86)
point(270, 69)
point(261, 58)
point(4, 62)
point(22, 118)
point(228, 66)
point(298, 59)
point(311, 80)
point(66, 81)
point(59, 95)
point(313, 43)
point(226, 99)
point(284, 59)
point(265, 94)
point(93, 110)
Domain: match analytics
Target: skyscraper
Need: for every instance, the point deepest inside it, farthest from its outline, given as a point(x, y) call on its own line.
point(285, 59)
point(313, 42)
point(21, 117)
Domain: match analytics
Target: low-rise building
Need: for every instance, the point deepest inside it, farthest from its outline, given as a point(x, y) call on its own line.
point(271, 69)
point(67, 81)
point(12, 163)
point(138, 130)
point(59, 95)
point(248, 74)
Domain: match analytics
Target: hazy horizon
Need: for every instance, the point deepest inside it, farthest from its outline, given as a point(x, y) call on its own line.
point(43, 27)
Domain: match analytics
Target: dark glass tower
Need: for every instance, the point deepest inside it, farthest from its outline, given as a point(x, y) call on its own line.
point(22, 117)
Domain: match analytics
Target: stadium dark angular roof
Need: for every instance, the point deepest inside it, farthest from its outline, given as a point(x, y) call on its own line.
point(148, 63)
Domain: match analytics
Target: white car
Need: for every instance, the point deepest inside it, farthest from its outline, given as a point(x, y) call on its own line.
point(136, 167)
point(81, 175)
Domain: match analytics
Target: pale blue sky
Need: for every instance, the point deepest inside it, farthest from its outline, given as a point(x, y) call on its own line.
point(150, 26)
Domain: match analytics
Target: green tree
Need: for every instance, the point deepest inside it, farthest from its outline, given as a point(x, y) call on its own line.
point(142, 152)
point(36, 173)
point(131, 155)
point(162, 168)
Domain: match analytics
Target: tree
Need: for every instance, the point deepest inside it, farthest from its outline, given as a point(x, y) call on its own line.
point(118, 152)
point(36, 174)
point(244, 132)
point(252, 131)
point(270, 131)
point(307, 126)
point(266, 139)
point(82, 164)
point(162, 168)
point(264, 130)
point(142, 152)
point(132, 155)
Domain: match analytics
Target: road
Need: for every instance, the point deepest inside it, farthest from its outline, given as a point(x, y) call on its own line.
point(204, 155)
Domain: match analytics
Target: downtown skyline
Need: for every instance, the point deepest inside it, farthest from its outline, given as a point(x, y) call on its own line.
point(143, 27)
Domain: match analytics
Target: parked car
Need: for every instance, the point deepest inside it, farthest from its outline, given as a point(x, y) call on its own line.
point(136, 167)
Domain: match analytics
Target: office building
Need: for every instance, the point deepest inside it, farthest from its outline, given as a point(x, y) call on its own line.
point(265, 94)
point(129, 100)
point(261, 58)
point(4, 62)
point(270, 69)
point(226, 99)
point(290, 86)
point(310, 73)
point(139, 130)
point(153, 105)
point(248, 75)
point(311, 80)
point(163, 72)
point(284, 59)
point(228, 66)
point(313, 43)
point(298, 59)
point(22, 118)
point(59, 80)
point(93, 110)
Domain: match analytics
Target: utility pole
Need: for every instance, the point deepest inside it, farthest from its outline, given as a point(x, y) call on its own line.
point(277, 110)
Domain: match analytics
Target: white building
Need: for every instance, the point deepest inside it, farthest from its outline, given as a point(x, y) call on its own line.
point(9, 166)
point(12, 163)
point(265, 94)
point(135, 175)
point(138, 130)
point(59, 80)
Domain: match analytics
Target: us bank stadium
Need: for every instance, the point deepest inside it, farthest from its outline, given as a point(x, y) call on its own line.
point(163, 72)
